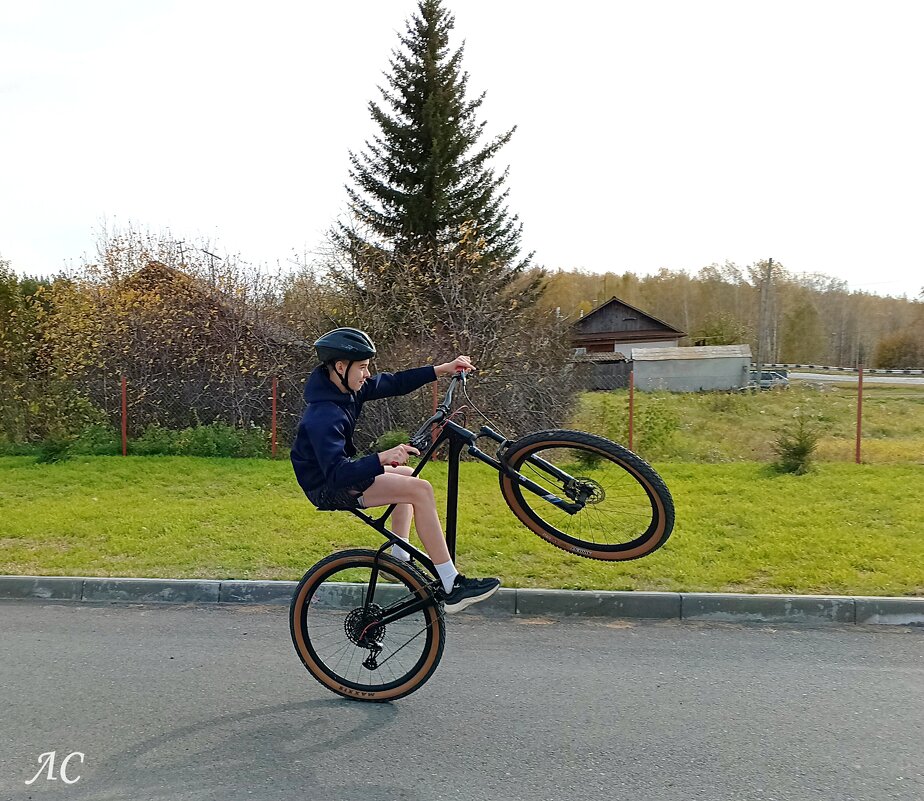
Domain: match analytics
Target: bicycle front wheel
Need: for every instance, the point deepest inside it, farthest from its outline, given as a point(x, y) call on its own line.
point(337, 630)
point(600, 500)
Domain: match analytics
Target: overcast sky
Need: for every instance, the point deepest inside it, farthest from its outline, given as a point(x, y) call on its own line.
point(664, 133)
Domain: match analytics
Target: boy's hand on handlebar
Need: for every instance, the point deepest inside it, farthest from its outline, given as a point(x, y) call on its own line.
point(398, 455)
point(460, 363)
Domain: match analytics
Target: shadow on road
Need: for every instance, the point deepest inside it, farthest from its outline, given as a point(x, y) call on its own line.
point(285, 745)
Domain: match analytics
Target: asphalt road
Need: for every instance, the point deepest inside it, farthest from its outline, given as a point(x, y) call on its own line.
point(851, 378)
point(210, 702)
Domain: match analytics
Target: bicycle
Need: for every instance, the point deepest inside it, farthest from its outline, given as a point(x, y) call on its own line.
point(370, 627)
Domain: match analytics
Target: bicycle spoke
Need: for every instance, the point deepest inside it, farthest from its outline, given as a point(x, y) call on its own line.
point(346, 644)
point(617, 509)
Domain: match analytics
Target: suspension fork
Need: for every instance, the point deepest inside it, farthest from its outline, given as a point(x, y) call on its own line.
point(502, 466)
point(539, 462)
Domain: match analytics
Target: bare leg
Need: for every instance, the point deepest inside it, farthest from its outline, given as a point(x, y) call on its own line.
point(401, 517)
point(392, 487)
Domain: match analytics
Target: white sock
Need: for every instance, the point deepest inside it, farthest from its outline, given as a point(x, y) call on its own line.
point(399, 553)
point(447, 573)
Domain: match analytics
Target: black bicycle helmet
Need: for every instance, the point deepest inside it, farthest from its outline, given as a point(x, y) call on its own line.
point(350, 344)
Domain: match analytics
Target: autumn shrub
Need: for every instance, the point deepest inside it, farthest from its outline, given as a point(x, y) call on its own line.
point(154, 441)
point(655, 425)
point(10, 447)
point(253, 443)
point(902, 350)
point(54, 449)
point(98, 439)
point(215, 439)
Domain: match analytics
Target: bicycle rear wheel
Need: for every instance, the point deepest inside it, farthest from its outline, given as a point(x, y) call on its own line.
point(336, 631)
point(620, 507)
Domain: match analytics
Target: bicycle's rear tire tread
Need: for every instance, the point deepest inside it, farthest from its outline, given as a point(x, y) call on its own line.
point(364, 557)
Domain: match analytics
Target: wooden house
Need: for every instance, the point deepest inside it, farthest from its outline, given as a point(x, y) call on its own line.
point(618, 327)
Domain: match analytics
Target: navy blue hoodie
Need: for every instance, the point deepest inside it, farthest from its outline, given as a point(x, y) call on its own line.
point(324, 445)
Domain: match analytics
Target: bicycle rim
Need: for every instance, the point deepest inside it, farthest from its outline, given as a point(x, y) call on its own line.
point(336, 634)
point(626, 510)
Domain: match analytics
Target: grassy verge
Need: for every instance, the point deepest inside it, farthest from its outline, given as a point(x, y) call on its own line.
point(843, 529)
point(715, 427)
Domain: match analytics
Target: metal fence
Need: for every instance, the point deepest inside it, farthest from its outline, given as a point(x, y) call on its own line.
point(859, 417)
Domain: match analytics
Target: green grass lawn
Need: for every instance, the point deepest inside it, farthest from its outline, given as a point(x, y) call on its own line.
point(846, 529)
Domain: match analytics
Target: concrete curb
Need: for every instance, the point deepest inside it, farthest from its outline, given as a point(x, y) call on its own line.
point(723, 607)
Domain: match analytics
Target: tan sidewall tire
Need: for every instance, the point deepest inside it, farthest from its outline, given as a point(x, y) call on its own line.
point(361, 558)
point(522, 448)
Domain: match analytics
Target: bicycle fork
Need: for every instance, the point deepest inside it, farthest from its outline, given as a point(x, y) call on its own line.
point(502, 466)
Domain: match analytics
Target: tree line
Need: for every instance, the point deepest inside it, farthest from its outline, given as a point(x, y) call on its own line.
point(812, 319)
point(429, 261)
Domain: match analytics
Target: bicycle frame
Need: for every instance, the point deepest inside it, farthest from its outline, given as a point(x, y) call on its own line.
point(458, 438)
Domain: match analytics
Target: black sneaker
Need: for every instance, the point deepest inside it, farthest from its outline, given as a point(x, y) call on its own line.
point(466, 591)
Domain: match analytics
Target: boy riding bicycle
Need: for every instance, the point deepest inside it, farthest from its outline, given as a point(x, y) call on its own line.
point(323, 454)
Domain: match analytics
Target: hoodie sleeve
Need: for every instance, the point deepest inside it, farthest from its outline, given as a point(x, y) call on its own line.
point(388, 385)
point(328, 440)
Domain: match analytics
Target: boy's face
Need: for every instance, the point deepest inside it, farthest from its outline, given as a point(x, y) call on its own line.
point(357, 376)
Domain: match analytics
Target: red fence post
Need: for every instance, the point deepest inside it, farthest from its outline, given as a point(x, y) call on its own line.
point(859, 410)
point(631, 407)
point(273, 424)
point(124, 417)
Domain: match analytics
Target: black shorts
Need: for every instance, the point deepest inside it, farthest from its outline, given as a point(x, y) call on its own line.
point(343, 499)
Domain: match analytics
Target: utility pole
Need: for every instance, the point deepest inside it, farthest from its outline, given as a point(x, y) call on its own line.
point(762, 318)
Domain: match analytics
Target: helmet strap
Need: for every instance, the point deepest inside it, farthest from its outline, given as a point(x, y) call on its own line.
point(343, 378)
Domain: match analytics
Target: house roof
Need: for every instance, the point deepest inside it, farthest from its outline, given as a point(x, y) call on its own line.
point(659, 323)
point(600, 357)
point(708, 352)
point(156, 271)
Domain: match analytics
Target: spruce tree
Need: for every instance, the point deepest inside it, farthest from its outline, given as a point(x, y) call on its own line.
point(425, 177)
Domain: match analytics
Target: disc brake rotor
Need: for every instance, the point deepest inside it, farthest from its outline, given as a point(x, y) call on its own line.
point(585, 491)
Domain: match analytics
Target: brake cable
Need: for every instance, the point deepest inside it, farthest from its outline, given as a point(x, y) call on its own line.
point(486, 418)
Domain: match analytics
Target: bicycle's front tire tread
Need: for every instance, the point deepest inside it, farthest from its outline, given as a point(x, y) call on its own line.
point(644, 473)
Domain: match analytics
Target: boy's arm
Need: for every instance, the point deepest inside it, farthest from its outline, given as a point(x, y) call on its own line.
point(388, 385)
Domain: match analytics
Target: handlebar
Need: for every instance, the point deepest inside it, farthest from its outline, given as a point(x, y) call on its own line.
point(420, 439)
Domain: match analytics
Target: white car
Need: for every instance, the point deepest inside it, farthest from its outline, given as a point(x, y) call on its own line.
point(769, 379)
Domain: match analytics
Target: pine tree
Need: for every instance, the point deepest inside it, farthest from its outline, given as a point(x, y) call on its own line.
point(424, 177)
